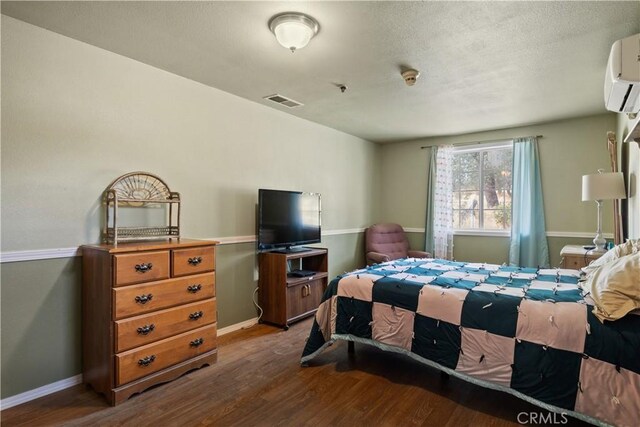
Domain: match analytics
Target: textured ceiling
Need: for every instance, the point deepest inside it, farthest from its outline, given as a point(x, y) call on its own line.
point(484, 65)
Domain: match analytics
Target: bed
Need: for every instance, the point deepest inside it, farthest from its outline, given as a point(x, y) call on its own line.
point(528, 332)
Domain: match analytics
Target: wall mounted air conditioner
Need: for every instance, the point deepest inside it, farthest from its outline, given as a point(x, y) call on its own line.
point(622, 80)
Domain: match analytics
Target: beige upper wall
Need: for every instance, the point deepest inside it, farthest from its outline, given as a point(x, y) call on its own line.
point(74, 117)
point(568, 150)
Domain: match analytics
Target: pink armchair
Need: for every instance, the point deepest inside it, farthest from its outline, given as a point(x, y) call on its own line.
point(386, 242)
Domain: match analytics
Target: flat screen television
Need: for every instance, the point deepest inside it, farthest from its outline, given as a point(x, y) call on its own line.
point(287, 219)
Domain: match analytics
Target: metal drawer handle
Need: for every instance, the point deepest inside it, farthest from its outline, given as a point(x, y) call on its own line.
point(143, 268)
point(195, 260)
point(146, 329)
point(197, 342)
point(143, 299)
point(196, 315)
point(146, 361)
point(194, 288)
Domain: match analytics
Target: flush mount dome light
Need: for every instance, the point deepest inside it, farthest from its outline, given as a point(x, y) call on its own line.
point(293, 30)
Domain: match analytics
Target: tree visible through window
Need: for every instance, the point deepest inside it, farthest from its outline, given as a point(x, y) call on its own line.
point(482, 187)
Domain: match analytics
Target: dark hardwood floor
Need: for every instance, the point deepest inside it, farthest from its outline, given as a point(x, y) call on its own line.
point(258, 382)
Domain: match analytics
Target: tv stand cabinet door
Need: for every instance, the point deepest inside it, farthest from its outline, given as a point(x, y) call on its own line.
point(304, 298)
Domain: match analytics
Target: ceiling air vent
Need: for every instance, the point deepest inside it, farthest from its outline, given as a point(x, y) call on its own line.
point(283, 100)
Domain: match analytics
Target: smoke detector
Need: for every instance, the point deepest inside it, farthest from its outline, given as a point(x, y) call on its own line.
point(410, 76)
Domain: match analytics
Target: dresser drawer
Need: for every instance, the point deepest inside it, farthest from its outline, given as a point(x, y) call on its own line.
point(140, 330)
point(142, 361)
point(193, 260)
point(140, 267)
point(139, 299)
point(574, 262)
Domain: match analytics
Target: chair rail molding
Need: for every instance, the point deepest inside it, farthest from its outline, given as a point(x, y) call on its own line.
point(53, 253)
point(489, 233)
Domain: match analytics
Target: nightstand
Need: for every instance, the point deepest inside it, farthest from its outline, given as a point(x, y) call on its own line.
point(575, 257)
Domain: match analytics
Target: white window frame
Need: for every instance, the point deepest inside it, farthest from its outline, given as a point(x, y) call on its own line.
point(472, 148)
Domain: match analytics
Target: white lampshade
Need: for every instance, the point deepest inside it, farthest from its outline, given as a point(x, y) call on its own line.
point(293, 30)
point(603, 186)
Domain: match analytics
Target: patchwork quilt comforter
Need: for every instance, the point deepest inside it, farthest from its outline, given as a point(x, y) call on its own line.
point(529, 332)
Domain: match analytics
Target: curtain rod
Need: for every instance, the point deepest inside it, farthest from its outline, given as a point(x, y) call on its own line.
point(481, 142)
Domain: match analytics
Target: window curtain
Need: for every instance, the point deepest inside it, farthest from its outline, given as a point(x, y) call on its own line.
point(439, 224)
point(528, 235)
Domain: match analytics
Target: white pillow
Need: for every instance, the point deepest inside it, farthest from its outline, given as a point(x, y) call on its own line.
point(612, 254)
point(615, 287)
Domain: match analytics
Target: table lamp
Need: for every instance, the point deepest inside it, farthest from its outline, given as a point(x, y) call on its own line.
point(602, 186)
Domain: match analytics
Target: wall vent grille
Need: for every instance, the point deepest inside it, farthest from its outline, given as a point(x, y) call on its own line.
point(283, 100)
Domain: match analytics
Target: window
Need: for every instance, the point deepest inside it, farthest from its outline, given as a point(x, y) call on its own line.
point(481, 197)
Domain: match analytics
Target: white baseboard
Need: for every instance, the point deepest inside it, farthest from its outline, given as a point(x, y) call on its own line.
point(238, 326)
point(11, 401)
point(27, 396)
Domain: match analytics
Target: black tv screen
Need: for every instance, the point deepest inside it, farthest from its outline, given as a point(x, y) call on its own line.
point(287, 218)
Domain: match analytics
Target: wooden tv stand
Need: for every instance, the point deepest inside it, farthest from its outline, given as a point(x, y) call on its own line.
point(285, 298)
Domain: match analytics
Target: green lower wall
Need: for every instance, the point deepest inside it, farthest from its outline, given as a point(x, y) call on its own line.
point(40, 323)
point(346, 252)
point(236, 279)
point(41, 308)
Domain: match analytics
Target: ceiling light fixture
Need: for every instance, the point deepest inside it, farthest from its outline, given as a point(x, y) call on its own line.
point(293, 30)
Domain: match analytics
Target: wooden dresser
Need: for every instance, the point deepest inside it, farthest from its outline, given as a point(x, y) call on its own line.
point(148, 313)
